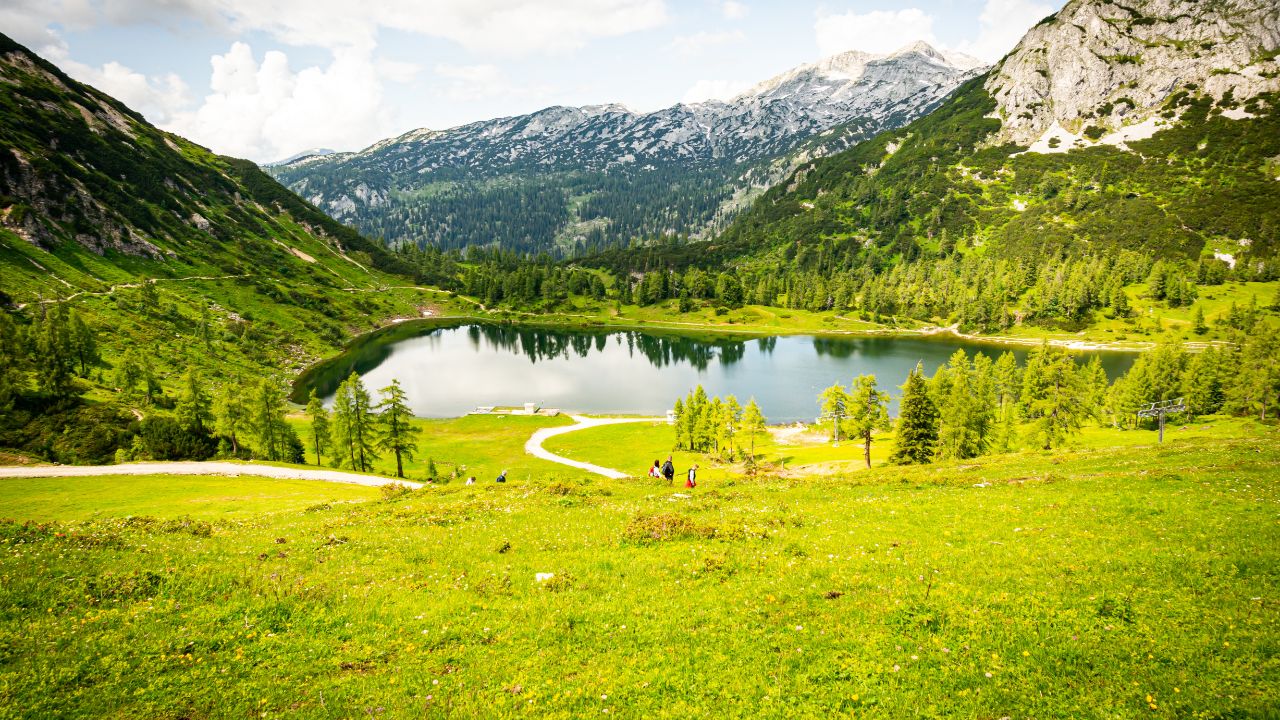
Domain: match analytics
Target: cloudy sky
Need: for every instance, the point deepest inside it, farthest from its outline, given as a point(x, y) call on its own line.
point(264, 79)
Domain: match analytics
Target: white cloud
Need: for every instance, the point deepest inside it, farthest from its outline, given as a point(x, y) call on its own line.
point(1002, 24)
point(470, 83)
point(733, 10)
point(265, 111)
point(511, 27)
point(698, 42)
point(704, 90)
point(878, 31)
point(157, 98)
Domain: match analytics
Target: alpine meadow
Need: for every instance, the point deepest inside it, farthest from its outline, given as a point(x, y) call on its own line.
point(932, 375)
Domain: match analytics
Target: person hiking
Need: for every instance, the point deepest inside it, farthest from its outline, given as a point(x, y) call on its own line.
point(669, 470)
point(503, 477)
point(655, 472)
point(692, 482)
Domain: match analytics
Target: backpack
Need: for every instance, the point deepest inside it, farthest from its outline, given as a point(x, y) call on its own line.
point(668, 469)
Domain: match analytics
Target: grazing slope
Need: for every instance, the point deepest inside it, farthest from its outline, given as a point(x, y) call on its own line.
point(989, 589)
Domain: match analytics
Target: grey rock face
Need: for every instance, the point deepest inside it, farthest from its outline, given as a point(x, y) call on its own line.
point(1126, 58)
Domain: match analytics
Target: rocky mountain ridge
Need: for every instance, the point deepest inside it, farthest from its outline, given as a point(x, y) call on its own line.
point(1100, 67)
point(852, 95)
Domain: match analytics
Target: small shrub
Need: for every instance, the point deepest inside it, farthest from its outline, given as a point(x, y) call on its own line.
point(559, 582)
point(647, 529)
point(395, 491)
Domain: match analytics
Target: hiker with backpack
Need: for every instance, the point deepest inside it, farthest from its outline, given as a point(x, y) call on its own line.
point(669, 471)
point(692, 482)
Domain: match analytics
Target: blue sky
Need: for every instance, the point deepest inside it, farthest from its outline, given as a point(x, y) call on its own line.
point(267, 78)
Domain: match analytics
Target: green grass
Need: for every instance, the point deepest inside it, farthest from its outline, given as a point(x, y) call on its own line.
point(1135, 582)
point(206, 498)
point(479, 445)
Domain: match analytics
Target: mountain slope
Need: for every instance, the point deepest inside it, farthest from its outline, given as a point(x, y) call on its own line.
point(156, 239)
point(1170, 150)
point(563, 178)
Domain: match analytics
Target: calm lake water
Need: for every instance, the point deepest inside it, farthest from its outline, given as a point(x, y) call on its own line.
point(450, 371)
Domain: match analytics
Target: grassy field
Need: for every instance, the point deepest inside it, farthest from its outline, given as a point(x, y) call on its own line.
point(479, 445)
point(634, 447)
point(1132, 582)
point(203, 498)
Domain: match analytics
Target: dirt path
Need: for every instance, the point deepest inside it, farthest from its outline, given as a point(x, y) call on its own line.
point(199, 468)
point(534, 445)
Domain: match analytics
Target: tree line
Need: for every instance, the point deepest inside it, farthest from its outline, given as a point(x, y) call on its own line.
point(973, 405)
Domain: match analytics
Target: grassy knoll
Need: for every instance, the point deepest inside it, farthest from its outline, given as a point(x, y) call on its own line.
point(479, 445)
point(1136, 582)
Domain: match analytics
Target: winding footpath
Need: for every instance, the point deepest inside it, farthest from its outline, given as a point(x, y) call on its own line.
point(199, 468)
point(581, 422)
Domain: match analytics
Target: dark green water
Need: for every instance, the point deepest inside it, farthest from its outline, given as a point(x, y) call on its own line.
point(449, 371)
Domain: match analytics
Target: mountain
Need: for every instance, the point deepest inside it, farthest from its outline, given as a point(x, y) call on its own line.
point(1147, 126)
point(313, 152)
point(565, 178)
point(98, 208)
point(1121, 152)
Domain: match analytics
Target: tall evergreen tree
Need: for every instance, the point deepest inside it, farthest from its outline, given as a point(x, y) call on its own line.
point(353, 424)
point(1055, 396)
point(232, 414)
point(319, 425)
point(12, 362)
point(868, 412)
point(84, 344)
point(680, 423)
point(1257, 375)
point(54, 357)
point(835, 407)
point(917, 426)
point(1203, 384)
point(194, 409)
point(753, 423)
point(397, 436)
point(266, 414)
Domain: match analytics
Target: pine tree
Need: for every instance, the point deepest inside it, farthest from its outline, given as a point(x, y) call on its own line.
point(397, 436)
point(54, 358)
point(680, 424)
point(917, 427)
point(868, 412)
point(1055, 397)
point(1198, 325)
point(319, 425)
point(194, 409)
point(432, 473)
point(731, 422)
point(1257, 375)
point(353, 424)
point(1008, 379)
point(1202, 383)
point(835, 407)
point(266, 414)
point(232, 414)
point(84, 345)
point(958, 411)
point(753, 423)
point(12, 362)
point(127, 373)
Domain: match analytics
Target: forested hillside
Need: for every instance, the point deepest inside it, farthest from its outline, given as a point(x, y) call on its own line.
point(950, 219)
point(129, 255)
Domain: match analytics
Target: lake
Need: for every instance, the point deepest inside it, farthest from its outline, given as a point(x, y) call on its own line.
point(449, 371)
